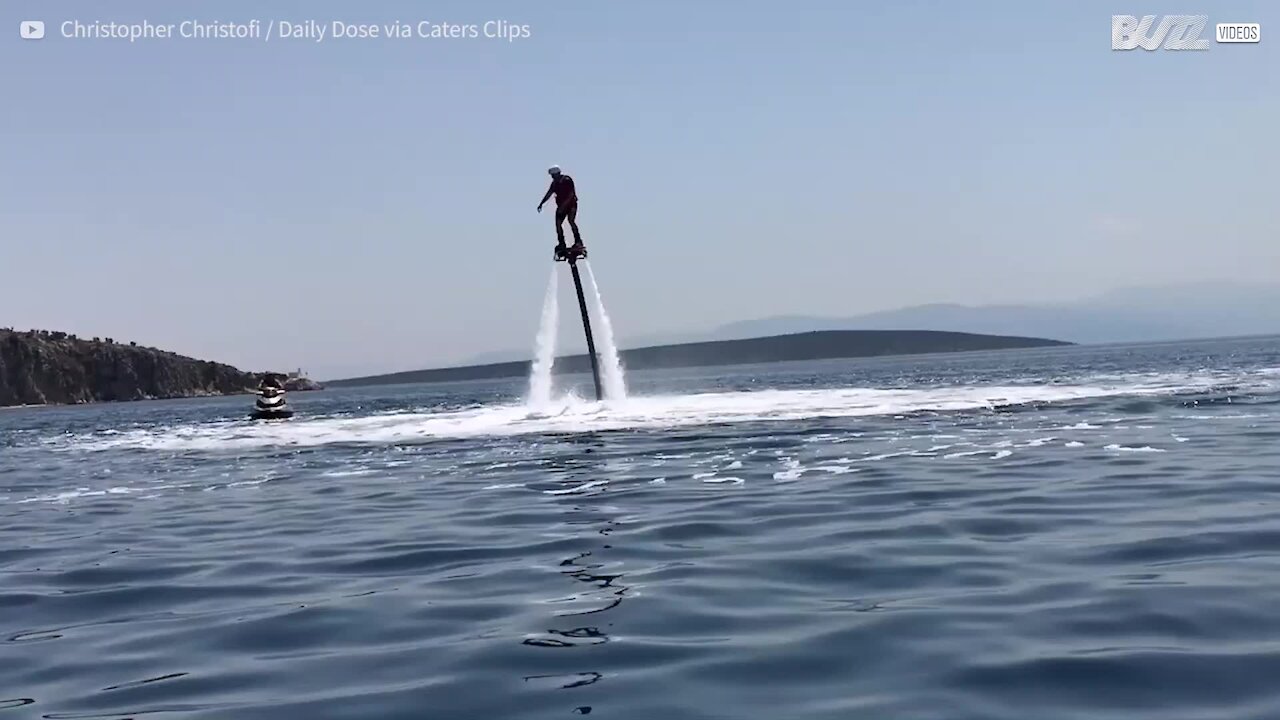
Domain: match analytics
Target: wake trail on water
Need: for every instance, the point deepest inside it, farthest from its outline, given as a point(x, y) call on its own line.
point(570, 415)
point(615, 384)
point(544, 351)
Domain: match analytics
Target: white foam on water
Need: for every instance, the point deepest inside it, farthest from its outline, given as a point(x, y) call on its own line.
point(577, 488)
point(885, 456)
point(572, 415)
point(1144, 448)
point(965, 453)
point(615, 384)
point(66, 496)
point(837, 469)
point(1238, 416)
point(793, 470)
point(544, 349)
point(724, 480)
point(348, 473)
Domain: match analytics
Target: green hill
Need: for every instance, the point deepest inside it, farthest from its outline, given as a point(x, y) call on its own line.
point(803, 346)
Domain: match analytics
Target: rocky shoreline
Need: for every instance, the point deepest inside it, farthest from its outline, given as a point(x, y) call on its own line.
point(41, 367)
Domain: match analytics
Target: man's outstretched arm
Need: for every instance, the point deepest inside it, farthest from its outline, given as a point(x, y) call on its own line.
point(547, 197)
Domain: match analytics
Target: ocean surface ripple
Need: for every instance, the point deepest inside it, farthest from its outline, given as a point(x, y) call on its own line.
point(1063, 533)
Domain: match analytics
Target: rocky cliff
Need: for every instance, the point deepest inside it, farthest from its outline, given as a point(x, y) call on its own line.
point(40, 367)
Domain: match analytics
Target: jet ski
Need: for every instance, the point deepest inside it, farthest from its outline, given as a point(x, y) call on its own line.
point(270, 404)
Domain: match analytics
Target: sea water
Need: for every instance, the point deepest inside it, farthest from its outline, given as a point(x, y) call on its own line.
point(1055, 533)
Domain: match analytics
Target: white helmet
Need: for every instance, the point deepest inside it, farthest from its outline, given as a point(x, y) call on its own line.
point(553, 170)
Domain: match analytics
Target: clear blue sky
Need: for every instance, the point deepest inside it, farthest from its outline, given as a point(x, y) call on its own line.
point(374, 199)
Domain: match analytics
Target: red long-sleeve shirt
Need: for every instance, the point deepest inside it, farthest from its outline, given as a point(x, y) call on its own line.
point(562, 187)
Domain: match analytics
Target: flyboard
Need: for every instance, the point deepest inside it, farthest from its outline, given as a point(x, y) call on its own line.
point(572, 256)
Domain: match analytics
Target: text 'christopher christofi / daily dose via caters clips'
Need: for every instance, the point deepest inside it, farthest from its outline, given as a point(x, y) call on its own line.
point(266, 30)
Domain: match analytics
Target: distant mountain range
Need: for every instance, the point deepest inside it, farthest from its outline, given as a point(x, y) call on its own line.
point(1130, 315)
point(802, 346)
point(1139, 314)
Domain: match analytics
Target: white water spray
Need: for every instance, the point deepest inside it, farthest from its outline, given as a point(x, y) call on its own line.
point(544, 353)
point(615, 386)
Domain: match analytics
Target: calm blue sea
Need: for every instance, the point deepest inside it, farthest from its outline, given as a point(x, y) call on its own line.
point(1065, 533)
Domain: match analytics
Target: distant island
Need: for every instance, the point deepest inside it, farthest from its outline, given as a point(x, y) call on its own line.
point(41, 367)
point(1133, 314)
point(820, 345)
point(1159, 313)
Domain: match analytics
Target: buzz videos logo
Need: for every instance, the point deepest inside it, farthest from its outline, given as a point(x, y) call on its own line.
point(1176, 32)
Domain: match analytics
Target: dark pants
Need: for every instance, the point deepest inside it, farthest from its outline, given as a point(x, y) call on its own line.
point(567, 212)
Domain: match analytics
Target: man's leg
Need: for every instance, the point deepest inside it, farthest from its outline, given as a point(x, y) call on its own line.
point(560, 215)
point(573, 224)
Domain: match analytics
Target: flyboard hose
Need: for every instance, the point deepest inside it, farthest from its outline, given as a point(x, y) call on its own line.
point(586, 328)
